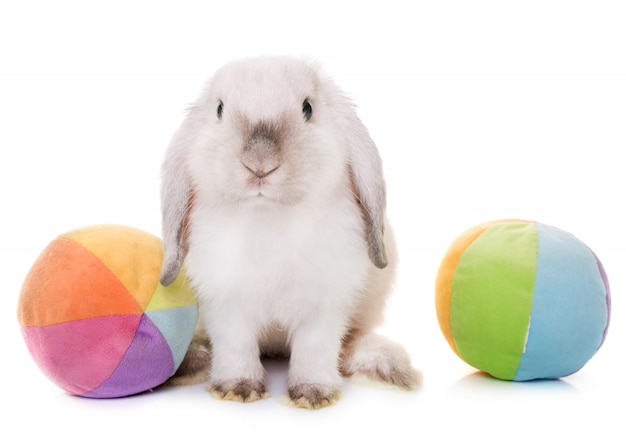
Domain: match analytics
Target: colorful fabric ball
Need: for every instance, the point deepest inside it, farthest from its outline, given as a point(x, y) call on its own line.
point(522, 300)
point(95, 318)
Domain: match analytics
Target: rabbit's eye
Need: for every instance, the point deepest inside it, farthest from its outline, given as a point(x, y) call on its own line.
point(307, 109)
point(220, 109)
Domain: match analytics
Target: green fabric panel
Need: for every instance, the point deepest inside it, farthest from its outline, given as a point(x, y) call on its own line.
point(491, 300)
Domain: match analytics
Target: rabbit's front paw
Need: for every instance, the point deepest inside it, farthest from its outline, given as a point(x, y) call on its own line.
point(241, 390)
point(313, 396)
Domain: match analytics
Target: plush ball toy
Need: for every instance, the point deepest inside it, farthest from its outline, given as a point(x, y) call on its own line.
point(95, 318)
point(522, 300)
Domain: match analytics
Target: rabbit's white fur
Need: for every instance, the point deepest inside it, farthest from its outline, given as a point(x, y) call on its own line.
point(274, 198)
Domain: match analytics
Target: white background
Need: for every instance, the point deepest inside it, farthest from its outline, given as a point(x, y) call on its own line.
point(481, 110)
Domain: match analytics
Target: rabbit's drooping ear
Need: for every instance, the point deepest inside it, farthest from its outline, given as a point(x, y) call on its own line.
point(367, 178)
point(176, 200)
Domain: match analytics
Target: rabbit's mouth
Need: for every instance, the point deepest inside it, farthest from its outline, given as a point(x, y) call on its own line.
point(259, 178)
point(272, 191)
point(259, 188)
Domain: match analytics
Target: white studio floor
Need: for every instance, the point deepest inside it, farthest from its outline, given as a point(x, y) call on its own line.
point(481, 110)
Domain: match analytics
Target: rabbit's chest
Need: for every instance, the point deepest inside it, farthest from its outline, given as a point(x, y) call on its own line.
point(272, 259)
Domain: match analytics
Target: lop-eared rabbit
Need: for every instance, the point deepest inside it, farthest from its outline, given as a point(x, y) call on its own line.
point(273, 202)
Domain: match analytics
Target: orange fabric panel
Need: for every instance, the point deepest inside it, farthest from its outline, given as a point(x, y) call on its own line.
point(67, 282)
point(132, 255)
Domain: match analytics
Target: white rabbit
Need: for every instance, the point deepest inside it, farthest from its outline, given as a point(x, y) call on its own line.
point(273, 198)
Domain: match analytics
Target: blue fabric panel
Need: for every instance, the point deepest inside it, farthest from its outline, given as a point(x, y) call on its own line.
point(177, 326)
point(569, 313)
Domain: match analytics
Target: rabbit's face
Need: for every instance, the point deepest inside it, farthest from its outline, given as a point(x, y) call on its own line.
point(267, 136)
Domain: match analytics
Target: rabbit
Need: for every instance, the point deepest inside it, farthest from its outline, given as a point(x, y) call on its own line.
point(273, 204)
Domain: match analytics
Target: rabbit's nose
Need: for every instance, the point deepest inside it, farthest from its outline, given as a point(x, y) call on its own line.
point(261, 155)
point(261, 171)
point(261, 162)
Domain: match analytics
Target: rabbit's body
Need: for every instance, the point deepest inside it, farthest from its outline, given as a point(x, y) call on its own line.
point(273, 195)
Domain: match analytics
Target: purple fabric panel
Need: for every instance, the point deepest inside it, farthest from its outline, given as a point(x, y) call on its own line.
point(147, 363)
point(605, 279)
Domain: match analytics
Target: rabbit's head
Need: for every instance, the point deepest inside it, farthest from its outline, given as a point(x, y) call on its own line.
point(267, 131)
